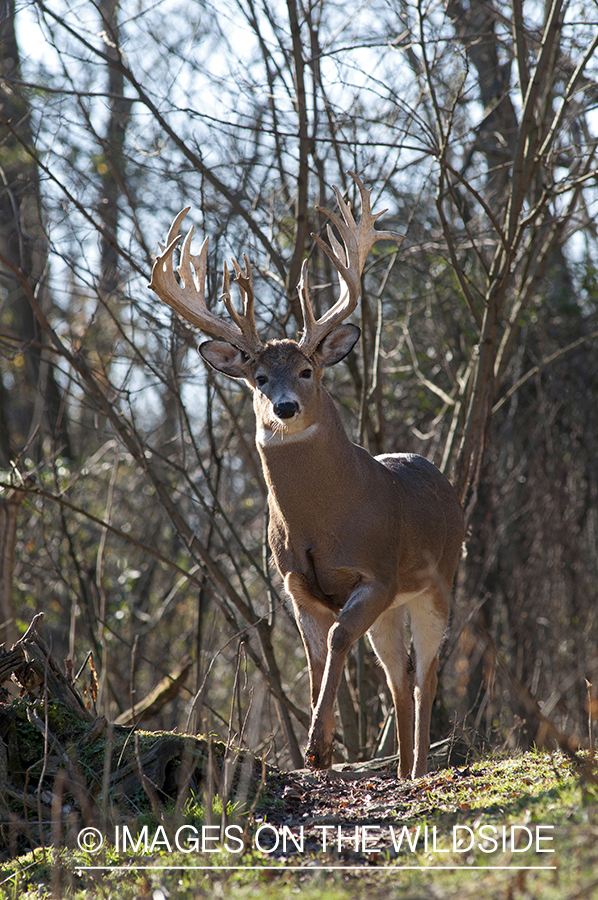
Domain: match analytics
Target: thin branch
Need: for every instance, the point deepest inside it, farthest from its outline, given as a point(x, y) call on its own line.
point(193, 158)
point(542, 365)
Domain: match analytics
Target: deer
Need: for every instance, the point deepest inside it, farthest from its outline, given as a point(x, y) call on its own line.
point(360, 542)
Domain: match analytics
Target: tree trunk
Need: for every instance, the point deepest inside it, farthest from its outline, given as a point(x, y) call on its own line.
point(29, 394)
point(9, 507)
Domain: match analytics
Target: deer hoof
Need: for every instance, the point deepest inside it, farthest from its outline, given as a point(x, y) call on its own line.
point(316, 759)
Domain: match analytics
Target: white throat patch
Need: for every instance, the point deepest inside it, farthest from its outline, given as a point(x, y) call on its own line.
point(266, 437)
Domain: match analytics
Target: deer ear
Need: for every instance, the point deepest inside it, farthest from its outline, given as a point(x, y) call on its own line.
point(337, 345)
point(224, 357)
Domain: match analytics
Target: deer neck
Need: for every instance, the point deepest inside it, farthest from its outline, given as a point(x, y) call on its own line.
point(307, 469)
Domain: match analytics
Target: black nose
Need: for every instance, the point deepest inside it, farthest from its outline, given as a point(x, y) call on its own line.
point(286, 409)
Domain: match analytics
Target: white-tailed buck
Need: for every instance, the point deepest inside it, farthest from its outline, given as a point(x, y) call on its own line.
point(359, 541)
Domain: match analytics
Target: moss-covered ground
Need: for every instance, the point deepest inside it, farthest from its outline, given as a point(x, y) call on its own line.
point(522, 826)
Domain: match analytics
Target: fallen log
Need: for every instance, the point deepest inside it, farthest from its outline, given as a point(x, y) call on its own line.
point(57, 755)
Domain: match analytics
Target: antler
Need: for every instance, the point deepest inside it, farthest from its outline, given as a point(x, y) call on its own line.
point(349, 261)
point(188, 298)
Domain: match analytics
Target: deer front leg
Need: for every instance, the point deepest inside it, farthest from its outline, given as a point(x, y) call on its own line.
point(359, 613)
point(315, 621)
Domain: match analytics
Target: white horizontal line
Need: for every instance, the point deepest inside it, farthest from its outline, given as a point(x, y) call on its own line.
point(308, 868)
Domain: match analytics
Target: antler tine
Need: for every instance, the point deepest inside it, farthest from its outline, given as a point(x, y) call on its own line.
point(187, 296)
point(309, 319)
point(368, 216)
point(349, 260)
point(246, 322)
point(176, 224)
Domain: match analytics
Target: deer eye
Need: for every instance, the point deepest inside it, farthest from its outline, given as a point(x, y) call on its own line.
point(261, 380)
point(306, 373)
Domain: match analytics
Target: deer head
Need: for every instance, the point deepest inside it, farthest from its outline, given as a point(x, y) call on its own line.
point(284, 375)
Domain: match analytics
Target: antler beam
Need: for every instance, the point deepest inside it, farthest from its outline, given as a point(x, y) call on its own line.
point(188, 295)
point(348, 260)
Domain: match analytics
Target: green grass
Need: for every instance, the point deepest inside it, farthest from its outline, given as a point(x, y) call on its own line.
point(532, 789)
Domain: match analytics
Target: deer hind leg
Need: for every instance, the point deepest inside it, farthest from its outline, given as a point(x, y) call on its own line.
point(387, 637)
point(429, 614)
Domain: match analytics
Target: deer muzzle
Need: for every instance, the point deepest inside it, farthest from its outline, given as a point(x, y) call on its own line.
point(286, 409)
